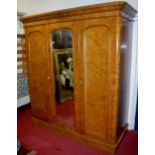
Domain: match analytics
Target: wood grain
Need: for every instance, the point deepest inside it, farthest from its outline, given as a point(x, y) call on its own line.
point(95, 74)
point(38, 73)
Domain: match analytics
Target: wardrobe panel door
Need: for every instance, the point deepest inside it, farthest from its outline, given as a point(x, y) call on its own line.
point(37, 70)
point(96, 43)
point(61, 44)
point(96, 46)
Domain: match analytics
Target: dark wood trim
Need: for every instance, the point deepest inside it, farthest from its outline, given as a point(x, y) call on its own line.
point(21, 66)
point(20, 35)
point(21, 52)
point(21, 59)
point(21, 75)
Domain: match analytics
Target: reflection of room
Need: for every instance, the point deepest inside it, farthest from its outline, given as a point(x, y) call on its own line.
point(63, 71)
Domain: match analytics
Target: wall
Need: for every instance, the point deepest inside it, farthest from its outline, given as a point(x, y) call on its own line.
point(20, 29)
point(23, 6)
point(33, 7)
point(39, 6)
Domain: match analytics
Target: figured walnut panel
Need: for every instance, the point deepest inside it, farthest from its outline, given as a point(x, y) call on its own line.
point(96, 48)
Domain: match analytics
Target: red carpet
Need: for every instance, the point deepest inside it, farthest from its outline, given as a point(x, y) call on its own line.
point(65, 112)
point(47, 142)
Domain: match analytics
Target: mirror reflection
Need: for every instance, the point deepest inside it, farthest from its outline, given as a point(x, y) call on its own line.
point(63, 72)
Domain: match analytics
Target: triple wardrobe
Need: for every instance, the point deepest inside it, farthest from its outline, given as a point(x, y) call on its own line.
point(76, 71)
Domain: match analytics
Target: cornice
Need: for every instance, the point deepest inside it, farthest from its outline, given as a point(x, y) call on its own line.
point(97, 8)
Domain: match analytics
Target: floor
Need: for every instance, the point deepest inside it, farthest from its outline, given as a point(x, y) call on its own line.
point(65, 112)
point(47, 142)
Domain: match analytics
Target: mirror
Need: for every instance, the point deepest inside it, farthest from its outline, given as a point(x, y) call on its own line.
point(63, 73)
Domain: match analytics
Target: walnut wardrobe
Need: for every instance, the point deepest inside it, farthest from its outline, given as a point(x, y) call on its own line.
point(80, 52)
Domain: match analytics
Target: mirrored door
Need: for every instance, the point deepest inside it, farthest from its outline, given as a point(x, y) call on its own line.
point(62, 50)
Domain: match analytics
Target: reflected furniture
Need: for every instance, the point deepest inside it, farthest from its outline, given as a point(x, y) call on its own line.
point(61, 41)
point(100, 39)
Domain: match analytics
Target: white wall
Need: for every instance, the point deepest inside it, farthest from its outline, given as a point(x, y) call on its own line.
point(22, 7)
point(39, 6)
point(133, 86)
point(20, 29)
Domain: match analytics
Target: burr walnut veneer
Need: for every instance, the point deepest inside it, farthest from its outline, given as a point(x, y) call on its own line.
point(100, 40)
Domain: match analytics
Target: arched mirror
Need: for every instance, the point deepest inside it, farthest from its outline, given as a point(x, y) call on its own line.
point(62, 43)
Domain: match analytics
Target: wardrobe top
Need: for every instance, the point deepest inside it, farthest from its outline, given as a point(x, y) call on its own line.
point(121, 6)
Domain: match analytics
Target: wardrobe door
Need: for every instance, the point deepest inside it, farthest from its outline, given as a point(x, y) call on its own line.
point(96, 56)
point(37, 72)
point(63, 64)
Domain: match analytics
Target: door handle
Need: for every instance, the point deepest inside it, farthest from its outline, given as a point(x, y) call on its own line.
point(48, 77)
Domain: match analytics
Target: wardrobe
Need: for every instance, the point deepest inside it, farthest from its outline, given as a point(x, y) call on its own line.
point(80, 52)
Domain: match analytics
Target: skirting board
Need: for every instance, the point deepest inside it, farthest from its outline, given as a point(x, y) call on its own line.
point(103, 146)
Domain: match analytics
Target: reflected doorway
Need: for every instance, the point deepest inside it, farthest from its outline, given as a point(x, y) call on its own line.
point(63, 75)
